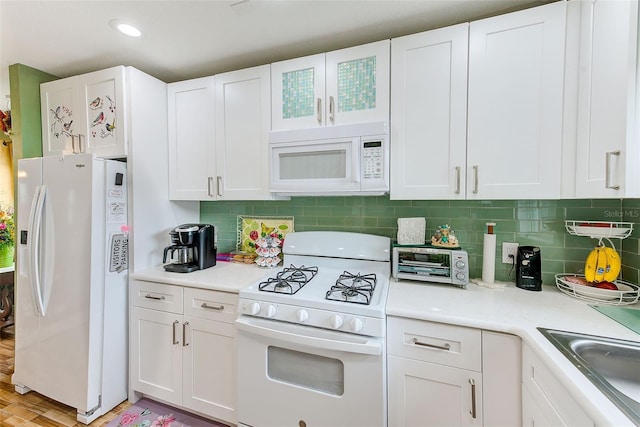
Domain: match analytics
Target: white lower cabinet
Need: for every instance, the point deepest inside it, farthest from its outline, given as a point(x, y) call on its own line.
point(436, 375)
point(545, 402)
point(183, 347)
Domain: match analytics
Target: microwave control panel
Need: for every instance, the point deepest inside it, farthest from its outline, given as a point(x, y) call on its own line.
point(372, 160)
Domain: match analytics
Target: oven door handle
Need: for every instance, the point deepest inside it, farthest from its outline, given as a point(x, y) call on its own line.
point(365, 347)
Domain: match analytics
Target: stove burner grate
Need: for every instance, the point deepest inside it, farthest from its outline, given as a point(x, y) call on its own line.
point(289, 281)
point(353, 288)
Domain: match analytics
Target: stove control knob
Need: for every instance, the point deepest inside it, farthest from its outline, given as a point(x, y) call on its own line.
point(355, 324)
point(270, 310)
point(252, 308)
point(336, 321)
point(302, 315)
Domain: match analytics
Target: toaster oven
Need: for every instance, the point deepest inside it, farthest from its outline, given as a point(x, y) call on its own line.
point(430, 264)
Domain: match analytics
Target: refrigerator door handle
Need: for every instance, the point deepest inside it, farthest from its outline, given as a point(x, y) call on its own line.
point(33, 242)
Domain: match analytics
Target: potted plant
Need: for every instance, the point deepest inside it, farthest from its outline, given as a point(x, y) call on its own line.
point(7, 236)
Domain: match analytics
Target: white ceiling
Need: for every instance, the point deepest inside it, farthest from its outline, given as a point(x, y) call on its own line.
point(183, 39)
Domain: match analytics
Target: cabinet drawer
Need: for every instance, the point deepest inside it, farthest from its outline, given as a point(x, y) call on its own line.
point(212, 305)
point(548, 392)
point(157, 296)
point(435, 342)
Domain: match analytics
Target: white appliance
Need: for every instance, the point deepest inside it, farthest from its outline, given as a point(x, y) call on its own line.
point(331, 160)
point(311, 336)
point(71, 282)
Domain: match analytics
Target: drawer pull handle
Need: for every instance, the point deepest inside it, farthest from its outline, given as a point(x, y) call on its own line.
point(149, 296)
point(211, 307)
point(446, 346)
point(473, 397)
point(175, 323)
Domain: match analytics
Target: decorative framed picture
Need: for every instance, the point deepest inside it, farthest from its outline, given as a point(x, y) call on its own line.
point(251, 228)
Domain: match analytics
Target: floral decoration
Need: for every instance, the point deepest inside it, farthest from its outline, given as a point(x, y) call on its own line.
point(253, 228)
point(5, 122)
point(7, 227)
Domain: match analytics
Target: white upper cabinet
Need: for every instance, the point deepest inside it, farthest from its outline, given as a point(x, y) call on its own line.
point(477, 109)
point(607, 145)
point(429, 114)
point(191, 117)
point(85, 114)
point(243, 119)
point(341, 87)
point(515, 104)
point(218, 136)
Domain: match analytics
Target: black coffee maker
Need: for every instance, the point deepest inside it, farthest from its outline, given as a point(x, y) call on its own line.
point(529, 268)
point(193, 247)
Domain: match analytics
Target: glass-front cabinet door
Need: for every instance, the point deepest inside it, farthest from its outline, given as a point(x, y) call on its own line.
point(341, 87)
point(297, 88)
point(358, 84)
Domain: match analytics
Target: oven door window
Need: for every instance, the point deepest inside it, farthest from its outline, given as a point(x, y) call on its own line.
point(309, 371)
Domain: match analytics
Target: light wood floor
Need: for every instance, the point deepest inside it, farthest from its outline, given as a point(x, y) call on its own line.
point(33, 409)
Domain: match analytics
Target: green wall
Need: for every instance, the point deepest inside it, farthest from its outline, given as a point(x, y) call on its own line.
point(528, 222)
point(24, 84)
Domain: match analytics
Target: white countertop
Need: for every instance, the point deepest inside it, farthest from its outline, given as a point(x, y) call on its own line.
point(519, 312)
point(224, 276)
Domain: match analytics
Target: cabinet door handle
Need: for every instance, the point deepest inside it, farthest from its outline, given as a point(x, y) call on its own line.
point(332, 110)
point(211, 307)
point(607, 170)
point(175, 341)
point(475, 179)
point(319, 112)
point(457, 180)
point(218, 186)
point(446, 345)
point(149, 296)
point(210, 186)
point(73, 144)
point(473, 397)
point(184, 335)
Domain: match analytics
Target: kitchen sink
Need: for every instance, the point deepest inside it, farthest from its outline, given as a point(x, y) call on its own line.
point(610, 364)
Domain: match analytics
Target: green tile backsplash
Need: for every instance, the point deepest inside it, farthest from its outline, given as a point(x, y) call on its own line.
point(528, 222)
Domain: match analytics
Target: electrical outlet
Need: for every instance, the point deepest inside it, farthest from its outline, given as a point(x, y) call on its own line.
point(509, 248)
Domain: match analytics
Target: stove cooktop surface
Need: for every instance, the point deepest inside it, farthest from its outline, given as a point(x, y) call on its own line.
point(349, 286)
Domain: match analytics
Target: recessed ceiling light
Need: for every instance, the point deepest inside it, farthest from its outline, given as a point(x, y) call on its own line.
point(125, 28)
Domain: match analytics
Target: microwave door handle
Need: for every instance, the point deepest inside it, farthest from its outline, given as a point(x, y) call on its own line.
point(355, 162)
point(319, 110)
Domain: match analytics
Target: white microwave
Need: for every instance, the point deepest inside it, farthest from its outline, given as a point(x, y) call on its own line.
point(331, 160)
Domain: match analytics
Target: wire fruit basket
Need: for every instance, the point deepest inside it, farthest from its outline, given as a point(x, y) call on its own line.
point(626, 294)
point(599, 229)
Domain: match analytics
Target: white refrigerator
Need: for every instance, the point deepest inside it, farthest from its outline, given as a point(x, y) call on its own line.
point(71, 282)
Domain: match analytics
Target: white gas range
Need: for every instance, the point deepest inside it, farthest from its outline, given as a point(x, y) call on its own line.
point(313, 332)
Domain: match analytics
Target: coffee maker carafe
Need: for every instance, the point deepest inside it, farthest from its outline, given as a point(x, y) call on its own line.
point(193, 247)
point(529, 268)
